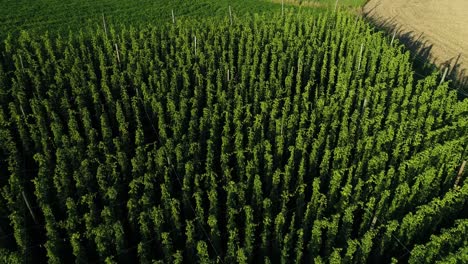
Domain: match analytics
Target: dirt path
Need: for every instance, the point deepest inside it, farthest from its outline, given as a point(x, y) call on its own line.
point(439, 26)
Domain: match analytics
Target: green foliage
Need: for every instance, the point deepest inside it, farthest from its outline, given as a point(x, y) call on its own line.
point(271, 139)
point(57, 16)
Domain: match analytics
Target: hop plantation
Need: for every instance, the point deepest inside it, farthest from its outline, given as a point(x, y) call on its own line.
point(273, 138)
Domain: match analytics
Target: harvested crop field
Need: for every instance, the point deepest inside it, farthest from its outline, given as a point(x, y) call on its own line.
point(438, 27)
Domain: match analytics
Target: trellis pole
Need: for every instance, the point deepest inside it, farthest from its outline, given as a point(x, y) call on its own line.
point(443, 76)
point(364, 104)
point(460, 172)
point(360, 56)
point(21, 62)
point(195, 46)
point(393, 37)
point(29, 207)
point(104, 23)
point(117, 51)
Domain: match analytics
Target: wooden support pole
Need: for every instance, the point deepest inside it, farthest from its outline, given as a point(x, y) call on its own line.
point(364, 104)
point(173, 17)
point(21, 62)
point(374, 221)
point(460, 172)
point(29, 207)
point(104, 23)
point(195, 41)
point(117, 51)
point(393, 37)
point(360, 56)
point(228, 77)
point(22, 111)
point(443, 76)
point(336, 5)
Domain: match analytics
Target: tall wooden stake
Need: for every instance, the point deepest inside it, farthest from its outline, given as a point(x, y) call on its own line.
point(360, 56)
point(443, 76)
point(364, 104)
point(460, 172)
point(173, 17)
point(195, 40)
point(29, 207)
point(21, 62)
point(118, 55)
point(336, 5)
point(393, 37)
point(374, 220)
point(22, 111)
point(104, 23)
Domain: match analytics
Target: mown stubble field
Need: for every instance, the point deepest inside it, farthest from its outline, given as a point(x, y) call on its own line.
point(441, 26)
